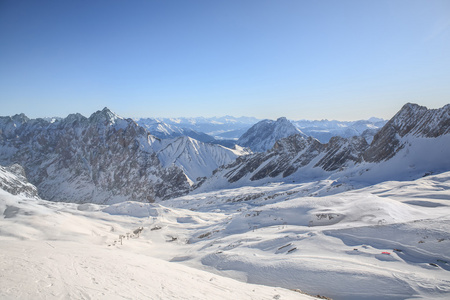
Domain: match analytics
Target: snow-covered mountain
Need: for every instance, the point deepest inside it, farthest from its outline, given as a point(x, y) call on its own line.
point(324, 130)
point(198, 160)
point(263, 135)
point(414, 141)
point(103, 158)
point(226, 129)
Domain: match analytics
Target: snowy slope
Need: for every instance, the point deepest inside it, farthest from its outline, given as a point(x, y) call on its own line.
point(54, 250)
point(381, 242)
point(196, 159)
point(386, 241)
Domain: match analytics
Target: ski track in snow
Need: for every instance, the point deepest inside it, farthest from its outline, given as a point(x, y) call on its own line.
point(387, 241)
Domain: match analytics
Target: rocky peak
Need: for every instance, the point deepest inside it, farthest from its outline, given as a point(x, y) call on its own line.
point(20, 119)
point(74, 118)
point(104, 116)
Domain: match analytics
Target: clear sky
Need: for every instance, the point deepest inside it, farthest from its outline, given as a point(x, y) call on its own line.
point(342, 60)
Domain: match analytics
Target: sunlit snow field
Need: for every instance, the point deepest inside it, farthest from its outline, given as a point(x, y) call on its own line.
point(387, 241)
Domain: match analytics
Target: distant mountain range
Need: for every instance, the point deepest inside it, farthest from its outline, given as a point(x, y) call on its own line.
point(106, 158)
point(228, 130)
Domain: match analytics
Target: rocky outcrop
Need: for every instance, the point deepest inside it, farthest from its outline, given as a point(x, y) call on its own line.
point(14, 181)
point(339, 152)
point(412, 120)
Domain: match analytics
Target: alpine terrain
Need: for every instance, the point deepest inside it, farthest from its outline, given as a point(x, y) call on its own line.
point(105, 207)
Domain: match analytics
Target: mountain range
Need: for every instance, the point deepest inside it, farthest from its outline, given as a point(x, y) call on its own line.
point(413, 143)
point(227, 130)
point(106, 158)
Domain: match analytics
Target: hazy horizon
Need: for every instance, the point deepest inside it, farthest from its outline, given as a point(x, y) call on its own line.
point(345, 60)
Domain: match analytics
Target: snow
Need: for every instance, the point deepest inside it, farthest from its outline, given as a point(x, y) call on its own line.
point(197, 159)
point(61, 250)
point(324, 237)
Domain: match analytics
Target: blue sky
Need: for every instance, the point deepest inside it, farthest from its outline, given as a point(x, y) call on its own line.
point(342, 60)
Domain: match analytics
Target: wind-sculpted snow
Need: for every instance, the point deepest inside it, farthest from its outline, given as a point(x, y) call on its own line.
point(359, 244)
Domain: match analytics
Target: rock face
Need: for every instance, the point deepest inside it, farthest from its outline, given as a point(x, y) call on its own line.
point(263, 135)
point(296, 154)
point(290, 154)
point(13, 180)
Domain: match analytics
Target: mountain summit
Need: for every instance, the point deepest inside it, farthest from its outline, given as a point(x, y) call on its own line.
point(104, 116)
point(263, 135)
